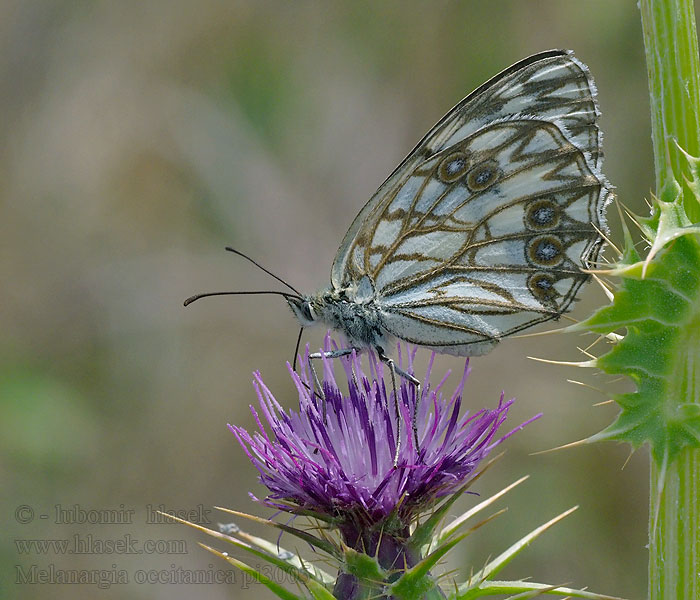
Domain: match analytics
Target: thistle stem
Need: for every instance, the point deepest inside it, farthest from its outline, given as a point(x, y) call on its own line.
point(671, 46)
point(673, 69)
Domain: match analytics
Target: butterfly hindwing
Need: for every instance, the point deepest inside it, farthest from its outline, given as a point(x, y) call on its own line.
point(506, 256)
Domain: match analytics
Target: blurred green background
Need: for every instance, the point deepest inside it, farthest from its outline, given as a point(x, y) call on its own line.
point(140, 138)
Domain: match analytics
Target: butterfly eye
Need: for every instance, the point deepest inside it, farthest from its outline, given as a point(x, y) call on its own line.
point(308, 311)
point(545, 250)
point(542, 214)
point(542, 286)
point(483, 176)
point(453, 166)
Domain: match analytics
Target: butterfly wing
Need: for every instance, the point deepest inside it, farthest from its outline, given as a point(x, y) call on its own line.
point(482, 230)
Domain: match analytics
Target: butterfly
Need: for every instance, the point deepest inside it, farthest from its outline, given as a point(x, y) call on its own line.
point(485, 229)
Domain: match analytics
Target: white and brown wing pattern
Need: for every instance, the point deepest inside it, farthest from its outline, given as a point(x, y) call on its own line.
point(483, 229)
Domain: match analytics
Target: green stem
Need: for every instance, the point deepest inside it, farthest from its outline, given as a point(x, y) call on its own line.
point(675, 544)
point(671, 46)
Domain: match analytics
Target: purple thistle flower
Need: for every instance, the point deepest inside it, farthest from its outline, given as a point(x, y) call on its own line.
point(343, 467)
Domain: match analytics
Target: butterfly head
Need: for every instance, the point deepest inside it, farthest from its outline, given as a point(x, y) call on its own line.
point(347, 311)
point(305, 309)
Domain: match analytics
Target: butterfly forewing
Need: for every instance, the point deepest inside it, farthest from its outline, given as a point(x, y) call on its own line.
point(483, 229)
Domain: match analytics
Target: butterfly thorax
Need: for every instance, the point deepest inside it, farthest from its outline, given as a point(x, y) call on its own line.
point(351, 310)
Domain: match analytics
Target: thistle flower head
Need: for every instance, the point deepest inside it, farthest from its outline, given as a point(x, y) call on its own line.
point(378, 514)
point(339, 463)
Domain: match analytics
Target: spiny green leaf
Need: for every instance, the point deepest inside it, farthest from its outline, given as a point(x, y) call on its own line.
point(425, 530)
point(270, 552)
point(693, 181)
point(416, 581)
point(454, 526)
point(318, 591)
point(303, 535)
point(290, 558)
point(505, 557)
point(493, 588)
point(668, 221)
point(362, 565)
point(274, 587)
point(660, 310)
point(292, 564)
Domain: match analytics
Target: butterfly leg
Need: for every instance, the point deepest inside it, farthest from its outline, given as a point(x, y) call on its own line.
point(392, 369)
point(317, 382)
point(414, 417)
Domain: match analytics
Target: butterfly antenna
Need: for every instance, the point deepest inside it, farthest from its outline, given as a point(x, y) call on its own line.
point(270, 273)
point(285, 295)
